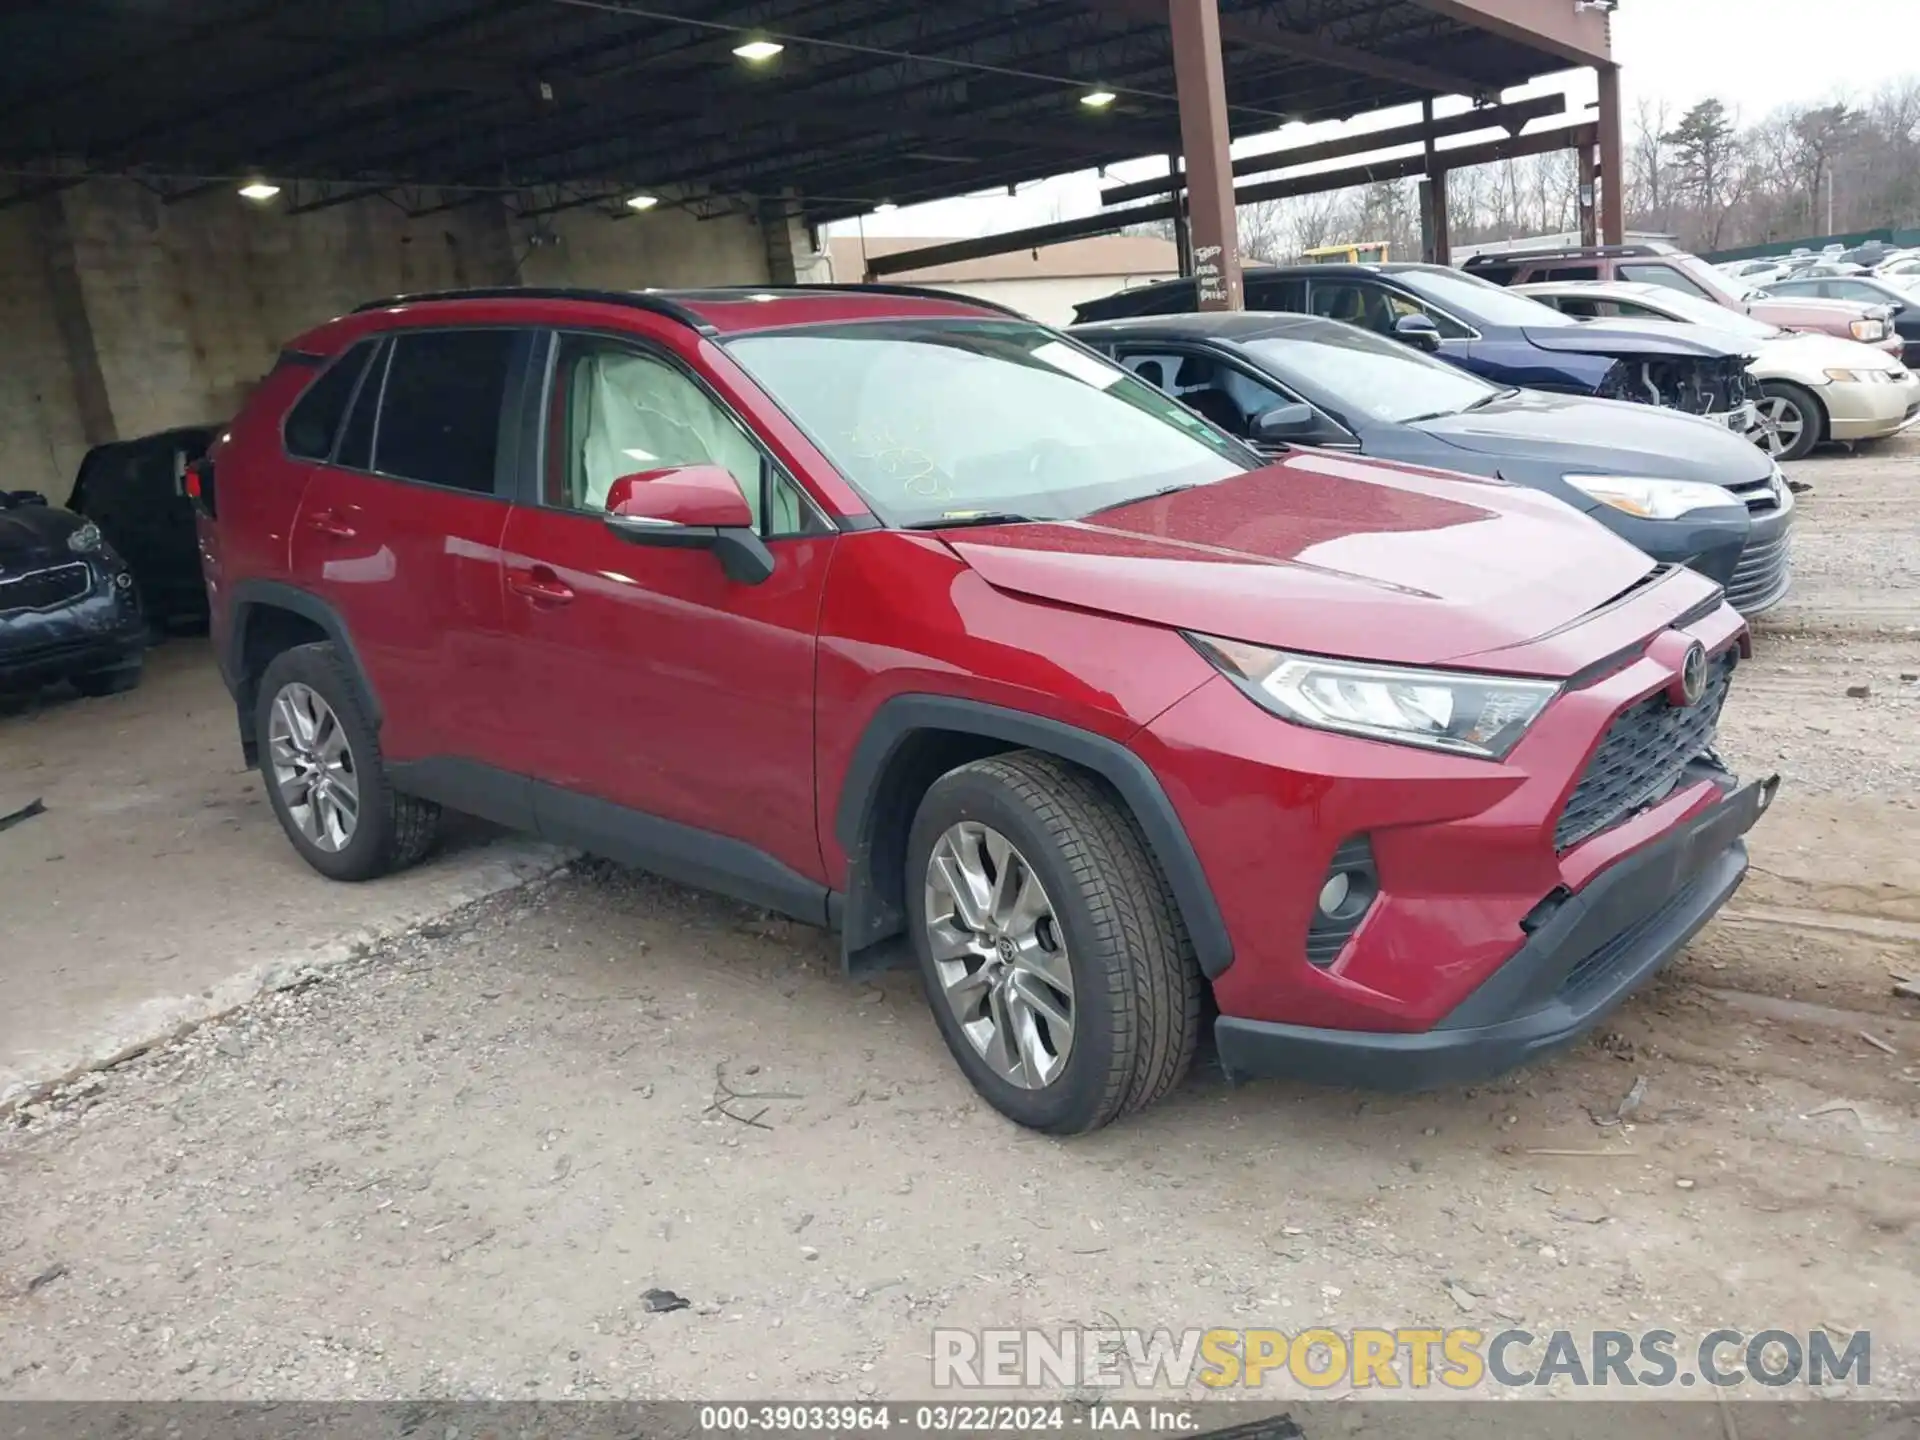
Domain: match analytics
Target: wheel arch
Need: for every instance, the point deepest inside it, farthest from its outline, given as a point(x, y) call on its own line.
point(912, 740)
point(270, 617)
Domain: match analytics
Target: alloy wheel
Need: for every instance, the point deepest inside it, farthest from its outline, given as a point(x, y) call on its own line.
point(1781, 424)
point(1000, 955)
point(313, 767)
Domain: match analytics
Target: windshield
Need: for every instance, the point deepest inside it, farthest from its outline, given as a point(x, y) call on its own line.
point(1474, 299)
point(1704, 312)
point(950, 420)
point(1714, 282)
point(1355, 372)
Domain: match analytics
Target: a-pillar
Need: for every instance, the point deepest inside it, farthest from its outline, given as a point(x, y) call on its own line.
point(1200, 75)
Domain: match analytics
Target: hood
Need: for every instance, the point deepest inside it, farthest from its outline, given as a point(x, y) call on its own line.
point(1813, 353)
point(1809, 310)
point(34, 533)
point(1575, 433)
point(1335, 556)
point(1621, 338)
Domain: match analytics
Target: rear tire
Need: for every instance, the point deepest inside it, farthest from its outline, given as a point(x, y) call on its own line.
point(320, 759)
point(1136, 991)
point(1793, 421)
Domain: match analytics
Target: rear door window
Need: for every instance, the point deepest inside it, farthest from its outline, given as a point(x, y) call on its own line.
point(1278, 294)
point(1664, 275)
point(1573, 272)
point(440, 413)
point(355, 451)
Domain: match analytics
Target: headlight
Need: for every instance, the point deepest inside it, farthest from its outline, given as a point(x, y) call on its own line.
point(1850, 377)
point(1869, 329)
point(1482, 715)
point(1652, 499)
point(85, 540)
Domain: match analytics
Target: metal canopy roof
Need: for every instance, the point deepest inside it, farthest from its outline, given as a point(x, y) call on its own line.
point(584, 101)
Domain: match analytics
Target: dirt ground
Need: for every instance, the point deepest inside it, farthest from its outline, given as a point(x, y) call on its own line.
point(145, 896)
point(451, 1166)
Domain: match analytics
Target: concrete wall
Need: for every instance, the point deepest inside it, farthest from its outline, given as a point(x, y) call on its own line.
point(122, 315)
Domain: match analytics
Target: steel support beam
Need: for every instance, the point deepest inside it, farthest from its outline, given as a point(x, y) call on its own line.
point(1200, 74)
point(1255, 33)
point(1511, 118)
point(1114, 221)
point(1613, 160)
point(1559, 28)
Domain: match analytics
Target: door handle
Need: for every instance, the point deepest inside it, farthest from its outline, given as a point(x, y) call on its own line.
point(540, 585)
point(328, 523)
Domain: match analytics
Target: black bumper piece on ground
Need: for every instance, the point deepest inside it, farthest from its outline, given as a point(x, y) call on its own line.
point(1583, 959)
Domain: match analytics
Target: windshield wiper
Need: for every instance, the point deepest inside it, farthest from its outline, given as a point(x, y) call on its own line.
point(1150, 495)
point(961, 519)
point(1480, 404)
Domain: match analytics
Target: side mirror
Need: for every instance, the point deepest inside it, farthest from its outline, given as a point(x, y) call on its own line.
point(1418, 331)
point(690, 507)
point(1286, 422)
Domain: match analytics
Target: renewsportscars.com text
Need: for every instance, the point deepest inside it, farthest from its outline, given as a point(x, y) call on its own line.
point(1458, 1359)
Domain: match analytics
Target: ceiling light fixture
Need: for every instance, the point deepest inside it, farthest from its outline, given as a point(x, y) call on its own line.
point(642, 202)
point(259, 190)
point(758, 51)
point(1098, 99)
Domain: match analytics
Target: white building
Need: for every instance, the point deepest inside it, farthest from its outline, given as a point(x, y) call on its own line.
point(1045, 284)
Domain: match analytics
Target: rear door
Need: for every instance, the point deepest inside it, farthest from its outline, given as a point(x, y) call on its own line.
point(399, 532)
point(647, 686)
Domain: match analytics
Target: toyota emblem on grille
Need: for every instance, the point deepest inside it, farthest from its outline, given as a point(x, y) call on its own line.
point(1693, 674)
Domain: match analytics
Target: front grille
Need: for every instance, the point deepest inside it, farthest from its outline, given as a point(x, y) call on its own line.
point(43, 589)
point(1763, 574)
point(1640, 760)
point(1761, 497)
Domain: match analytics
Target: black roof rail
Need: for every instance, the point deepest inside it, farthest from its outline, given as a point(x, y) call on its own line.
point(908, 292)
point(633, 299)
point(1638, 251)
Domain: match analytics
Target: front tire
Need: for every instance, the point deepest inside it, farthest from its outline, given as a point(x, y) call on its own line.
point(1052, 951)
point(1791, 420)
point(320, 759)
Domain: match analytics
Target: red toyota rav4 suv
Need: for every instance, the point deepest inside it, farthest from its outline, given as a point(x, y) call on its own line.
point(904, 615)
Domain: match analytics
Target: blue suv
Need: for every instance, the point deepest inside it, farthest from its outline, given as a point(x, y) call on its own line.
point(1506, 338)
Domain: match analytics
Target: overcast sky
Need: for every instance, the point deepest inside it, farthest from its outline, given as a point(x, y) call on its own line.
point(1752, 54)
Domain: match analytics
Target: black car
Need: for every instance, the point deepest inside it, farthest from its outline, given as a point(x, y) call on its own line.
point(1685, 490)
point(135, 491)
point(1866, 290)
point(68, 606)
point(1490, 331)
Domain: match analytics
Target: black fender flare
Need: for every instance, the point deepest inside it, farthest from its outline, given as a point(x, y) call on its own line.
point(869, 915)
point(252, 596)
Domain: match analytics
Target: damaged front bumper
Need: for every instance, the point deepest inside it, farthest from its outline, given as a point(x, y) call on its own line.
point(100, 629)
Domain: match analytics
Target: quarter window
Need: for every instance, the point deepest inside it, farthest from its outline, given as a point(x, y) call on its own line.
point(315, 418)
point(439, 419)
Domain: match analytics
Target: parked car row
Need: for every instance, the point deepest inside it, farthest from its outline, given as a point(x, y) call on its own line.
point(1690, 488)
point(1813, 387)
point(895, 612)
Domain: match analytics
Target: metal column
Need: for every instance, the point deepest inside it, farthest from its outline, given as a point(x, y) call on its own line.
point(1436, 240)
point(1613, 160)
point(1182, 233)
point(1201, 77)
point(1589, 163)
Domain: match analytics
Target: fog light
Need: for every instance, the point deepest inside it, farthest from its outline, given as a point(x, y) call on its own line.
point(123, 580)
point(1334, 893)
